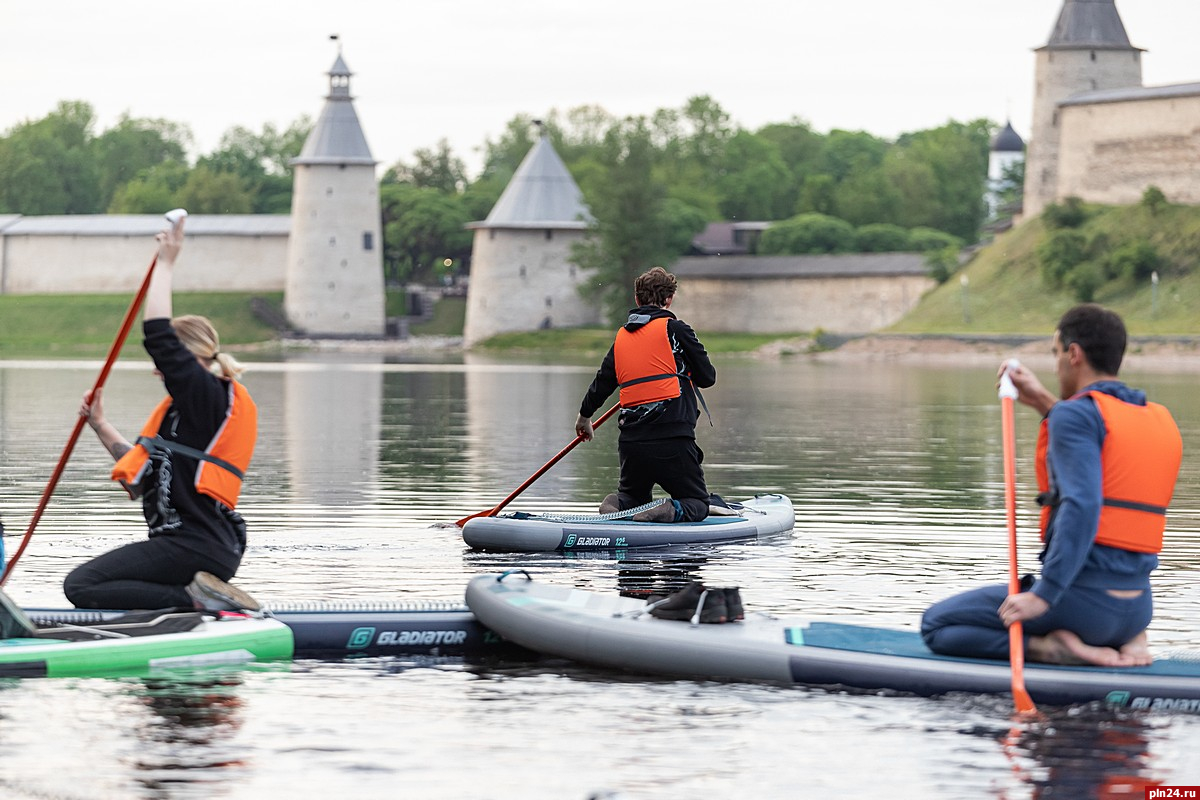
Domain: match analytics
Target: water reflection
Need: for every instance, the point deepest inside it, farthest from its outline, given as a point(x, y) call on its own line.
point(345, 403)
point(191, 737)
point(895, 475)
point(1083, 752)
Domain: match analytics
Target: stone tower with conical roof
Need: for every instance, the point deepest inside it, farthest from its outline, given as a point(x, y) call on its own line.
point(522, 278)
point(334, 283)
point(1088, 50)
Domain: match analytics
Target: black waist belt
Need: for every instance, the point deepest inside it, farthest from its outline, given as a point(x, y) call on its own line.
point(157, 443)
point(1132, 506)
point(649, 378)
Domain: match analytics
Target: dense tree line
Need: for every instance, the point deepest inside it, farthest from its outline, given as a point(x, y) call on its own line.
point(652, 181)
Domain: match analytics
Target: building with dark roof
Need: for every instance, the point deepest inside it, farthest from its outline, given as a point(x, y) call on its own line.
point(1098, 133)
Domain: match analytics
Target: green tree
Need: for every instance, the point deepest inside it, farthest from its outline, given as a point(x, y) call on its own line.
point(882, 237)
point(208, 191)
point(865, 196)
point(502, 157)
point(48, 165)
point(153, 190)
point(431, 169)
point(126, 151)
point(957, 155)
point(913, 186)
point(682, 223)
point(422, 227)
point(1059, 253)
point(846, 152)
point(630, 234)
point(261, 162)
point(925, 240)
point(754, 182)
point(807, 234)
point(818, 195)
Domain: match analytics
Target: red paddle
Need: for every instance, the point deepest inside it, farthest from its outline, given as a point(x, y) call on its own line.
point(1016, 640)
point(561, 453)
point(173, 217)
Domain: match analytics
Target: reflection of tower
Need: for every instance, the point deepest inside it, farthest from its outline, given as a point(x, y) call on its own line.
point(344, 405)
point(1088, 50)
point(1008, 150)
point(334, 283)
point(522, 278)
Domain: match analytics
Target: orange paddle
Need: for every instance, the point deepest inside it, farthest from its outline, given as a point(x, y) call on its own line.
point(1016, 640)
point(491, 512)
point(173, 217)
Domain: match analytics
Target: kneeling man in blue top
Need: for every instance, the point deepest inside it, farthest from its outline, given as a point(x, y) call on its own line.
point(1107, 462)
point(657, 363)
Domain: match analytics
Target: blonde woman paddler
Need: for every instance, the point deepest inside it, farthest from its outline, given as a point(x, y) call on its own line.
point(186, 466)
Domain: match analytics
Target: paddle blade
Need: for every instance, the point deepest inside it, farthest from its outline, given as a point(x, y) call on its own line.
point(1016, 648)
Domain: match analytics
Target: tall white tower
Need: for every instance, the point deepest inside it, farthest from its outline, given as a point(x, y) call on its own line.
point(522, 278)
point(1008, 149)
point(334, 284)
point(1088, 50)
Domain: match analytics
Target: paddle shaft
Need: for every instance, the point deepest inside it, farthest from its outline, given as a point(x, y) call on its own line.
point(1016, 639)
point(113, 351)
point(559, 457)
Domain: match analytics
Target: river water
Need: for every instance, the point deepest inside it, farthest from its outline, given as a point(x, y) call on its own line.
point(896, 475)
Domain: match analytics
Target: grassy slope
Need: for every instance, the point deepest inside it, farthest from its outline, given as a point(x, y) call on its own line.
point(85, 325)
point(1006, 293)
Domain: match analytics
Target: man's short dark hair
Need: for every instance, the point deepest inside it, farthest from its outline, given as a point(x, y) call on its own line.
point(1100, 333)
point(654, 287)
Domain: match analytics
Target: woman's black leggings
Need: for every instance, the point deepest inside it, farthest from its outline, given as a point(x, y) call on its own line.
point(143, 575)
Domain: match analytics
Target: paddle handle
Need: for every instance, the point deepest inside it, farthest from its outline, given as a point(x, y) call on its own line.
point(491, 512)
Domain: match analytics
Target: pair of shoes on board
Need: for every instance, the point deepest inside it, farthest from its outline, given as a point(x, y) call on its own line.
point(666, 511)
point(610, 504)
point(697, 603)
point(213, 594)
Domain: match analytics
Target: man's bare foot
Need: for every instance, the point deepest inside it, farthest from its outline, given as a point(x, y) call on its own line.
point(1064, 647)
point(1138, 649)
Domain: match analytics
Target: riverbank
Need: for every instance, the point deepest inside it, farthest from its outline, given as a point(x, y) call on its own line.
point(1165, 353)
point(1143, 353)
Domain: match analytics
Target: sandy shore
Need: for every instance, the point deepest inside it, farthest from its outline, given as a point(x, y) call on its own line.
point(1165, 354)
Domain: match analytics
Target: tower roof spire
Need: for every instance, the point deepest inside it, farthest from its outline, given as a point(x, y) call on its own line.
point(337, 138)
point(1089, 24)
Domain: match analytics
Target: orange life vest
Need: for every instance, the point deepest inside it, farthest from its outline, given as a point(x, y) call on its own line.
point(220, 466)
point(645, 364)
point(1139, 463)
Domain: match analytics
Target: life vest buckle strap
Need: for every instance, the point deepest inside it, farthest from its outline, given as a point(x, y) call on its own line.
point(158, 444)
point(1049, 498)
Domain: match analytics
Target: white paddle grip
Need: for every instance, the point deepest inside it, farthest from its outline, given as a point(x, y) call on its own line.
point(1007, 388)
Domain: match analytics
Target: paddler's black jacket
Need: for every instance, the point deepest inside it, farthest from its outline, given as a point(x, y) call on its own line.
point(668, 418)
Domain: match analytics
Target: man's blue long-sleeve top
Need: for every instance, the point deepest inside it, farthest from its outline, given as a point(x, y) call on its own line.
point(1073, 558)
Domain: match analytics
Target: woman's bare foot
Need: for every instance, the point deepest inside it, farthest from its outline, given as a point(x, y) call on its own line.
point(1064, 647)
point(1138, 648)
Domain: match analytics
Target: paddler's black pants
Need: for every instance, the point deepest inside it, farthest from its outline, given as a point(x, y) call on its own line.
point(147, 574)
point(673, 464)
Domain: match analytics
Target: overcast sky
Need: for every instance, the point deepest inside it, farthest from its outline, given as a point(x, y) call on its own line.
point(460, 69)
